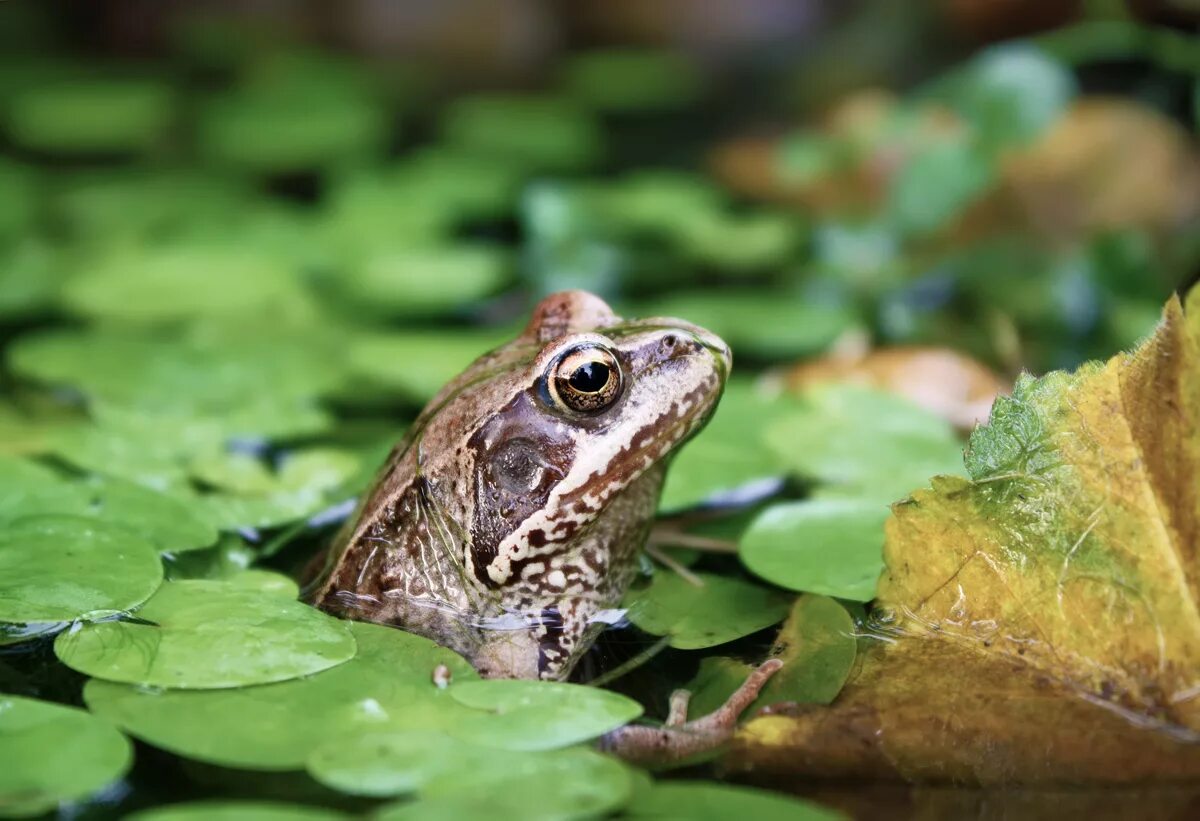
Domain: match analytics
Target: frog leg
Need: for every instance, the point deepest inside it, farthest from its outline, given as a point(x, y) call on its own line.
point(679, 739)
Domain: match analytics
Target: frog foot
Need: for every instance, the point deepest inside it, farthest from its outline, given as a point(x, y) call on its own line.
point(680, 740)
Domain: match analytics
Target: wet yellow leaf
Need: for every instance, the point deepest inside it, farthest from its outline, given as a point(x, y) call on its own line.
point(1039, 620)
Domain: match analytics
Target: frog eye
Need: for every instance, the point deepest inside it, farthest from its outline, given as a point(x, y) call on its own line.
point(587, 379)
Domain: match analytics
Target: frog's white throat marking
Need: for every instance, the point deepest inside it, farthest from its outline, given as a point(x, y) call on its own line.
point(513, 512)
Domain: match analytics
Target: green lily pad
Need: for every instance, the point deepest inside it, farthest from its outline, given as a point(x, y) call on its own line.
point(706, 801)
point(828, 546)
point(207, 635)
point(27, 489)
point(387, 687)
point(695, 617)
point(209, 372)
point(428, 281)
point(286, 129)
point(817, 645)
point(727, 454)
point(91, 116)
point(187, 279)
point(50, 754)
point(868, 443)
point(538, 715)
point(759, 323)
point(559, 786)
point(306, 483)
point(538, 133)
point(417, 365)
point(236, 811)
point(59, 568)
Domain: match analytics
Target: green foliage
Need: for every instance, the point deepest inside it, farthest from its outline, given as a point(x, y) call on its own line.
point(201, 635)
point(704, 612)
point(51, 754)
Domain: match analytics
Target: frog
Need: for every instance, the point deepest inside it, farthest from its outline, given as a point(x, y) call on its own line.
point(508, 523)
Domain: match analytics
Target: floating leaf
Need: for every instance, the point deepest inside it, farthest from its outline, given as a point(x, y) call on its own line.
point(559, 786)
point(539, 133)
point(828, 546)
point(759, 323)
point(867, 443)
point(538, 715)
point(817, 644)
point(90, 115)
point(209, 634)
point(937, 185)
point(388, 686)
point(694, 617)
point(704, 801)
point(417, 365)
point(236, 811)
point(427, 281)
point(59, 568)
point(183, 280)
point(726, 455)
point(50, 754)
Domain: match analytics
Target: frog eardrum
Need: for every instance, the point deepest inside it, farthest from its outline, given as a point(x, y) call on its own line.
point(507, 523)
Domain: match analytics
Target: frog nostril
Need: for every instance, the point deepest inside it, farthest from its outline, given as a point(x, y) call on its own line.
point(669, 342)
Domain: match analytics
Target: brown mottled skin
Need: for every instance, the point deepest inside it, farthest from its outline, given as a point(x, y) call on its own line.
point(511, 515)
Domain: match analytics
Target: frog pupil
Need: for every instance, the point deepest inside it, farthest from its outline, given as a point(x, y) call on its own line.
point(589, 378)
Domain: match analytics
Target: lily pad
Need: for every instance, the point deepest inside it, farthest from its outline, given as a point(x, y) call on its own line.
point(538, 133)
point(387, 687)
point(51, 754)
point(183, 280)
point(560, 786)
point(90, 115)
point(417, 365)
point(694, 617)
point(702, 801)
point(759, 323)
point(538, 715)
point(236, 811)
point(727, 454)
point(208, 635)
point(828, 546)
point(59, 568)
point(427, 281)
point(817, 645)
point(864, 443)
point(27, 489)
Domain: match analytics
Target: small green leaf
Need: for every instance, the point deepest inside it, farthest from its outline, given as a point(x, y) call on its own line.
point(817, 645)
point(208, 635)
point(59, 568)
point(387, 687)
point(236, 811)
point(758, 323)
point(538, 715)
point(427, 281)
point(538, 133)
point(705, 801)
point(52, 754)
point(695, 617)
point(90, 115)
point(869, 443)
point(828, 546)
point(936, 185)
point(417, 364)
point(558, 786)
point(728, 453)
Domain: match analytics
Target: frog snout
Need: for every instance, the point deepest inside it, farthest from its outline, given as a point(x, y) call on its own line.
point(694, 339)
